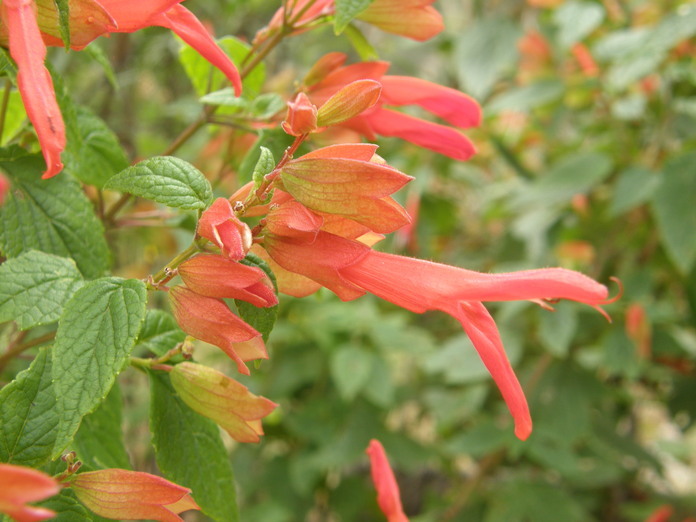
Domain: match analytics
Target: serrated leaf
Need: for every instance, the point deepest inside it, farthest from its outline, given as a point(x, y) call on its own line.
point(675, 212)
point(346, 11)
point(226, 98)
point(27, 415)
point(93, 154)
point(35, 286)
point(160, 332)
point(262, 319)
point(99, 441)
point(95, 337)
point(63, 8)
point(167, 180)
point(53, 216)
point(190, 452)
point(351, 368)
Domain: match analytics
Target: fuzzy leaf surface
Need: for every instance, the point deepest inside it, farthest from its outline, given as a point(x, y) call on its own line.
point(94, 340)
point(27, 415)
point(53, 216)
point(167, 180)
point(35, 286)
point(183, 440)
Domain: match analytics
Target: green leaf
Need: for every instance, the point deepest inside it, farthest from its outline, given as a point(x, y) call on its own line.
point(264, 165)
point(634, 186)
point(98, 55)
point(67, 507)
point(351, 368)
point(167, 180)
point(262, 319)
point(524, 499)
point(53, 216)
point(160, 332)
point(557, 329)
point(99, 441)
point(485, 52)
point(93, 154)
point(675, 212)
point(206, 78)
point(28, 418)
point(346, 11)
point(226, 98)
point(528, 97)
point(575, 20)
point(190, 452)
point(63, 8)
point(267, 105)
point(35, 286)
point(95, 337)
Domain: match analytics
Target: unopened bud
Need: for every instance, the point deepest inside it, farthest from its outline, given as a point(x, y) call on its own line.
point(301, 117)
point(350, 101)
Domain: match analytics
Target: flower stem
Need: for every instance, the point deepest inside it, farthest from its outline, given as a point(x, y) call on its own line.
point(14, 351)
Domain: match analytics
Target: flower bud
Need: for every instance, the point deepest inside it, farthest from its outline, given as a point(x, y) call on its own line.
point(301, 117)
point(215, 396)
point(348, 102)
point(131, 495)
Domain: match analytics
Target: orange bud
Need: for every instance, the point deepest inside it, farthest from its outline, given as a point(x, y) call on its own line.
point(221, 399)
point(211, 321)
point(414, 19)
point(217, 276)
point(220, 225)
point(131, 495)
point(638, 328)
point(301, 117)
point(19, 486)
point(348, 102)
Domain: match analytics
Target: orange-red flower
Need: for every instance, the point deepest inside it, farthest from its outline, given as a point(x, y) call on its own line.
point(220, 225)
point(19, 486)
point(4, 187)
point(455, 107)
point(131, 495)
point(28, 26)
point(210, 320)
point(350, 268)
point(217, 276)
point(388, 496)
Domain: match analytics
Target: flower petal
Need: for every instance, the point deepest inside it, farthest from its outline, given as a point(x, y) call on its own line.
point(185, 24)
point(388, 496)
point(34, 81)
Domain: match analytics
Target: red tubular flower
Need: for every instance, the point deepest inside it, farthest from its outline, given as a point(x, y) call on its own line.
point(349, 269)
point(4, 187)
point(455, 107)
point(388, 496)
point(28, 27)
point(211, 321)
point(216, 276)
point(220, 225)
point(131, 495)
point(34, 81)
point(19, 486)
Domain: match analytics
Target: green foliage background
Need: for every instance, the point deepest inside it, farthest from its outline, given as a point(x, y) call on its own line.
point(591, 169)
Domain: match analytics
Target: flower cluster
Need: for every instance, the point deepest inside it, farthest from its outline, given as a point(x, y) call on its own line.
point(28, 26)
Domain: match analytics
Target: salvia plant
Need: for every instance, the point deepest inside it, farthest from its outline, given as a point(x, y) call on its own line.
point(290, 196)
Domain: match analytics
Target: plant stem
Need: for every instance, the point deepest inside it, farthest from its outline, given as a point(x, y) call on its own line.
point(13, 352)
point(167, 271)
